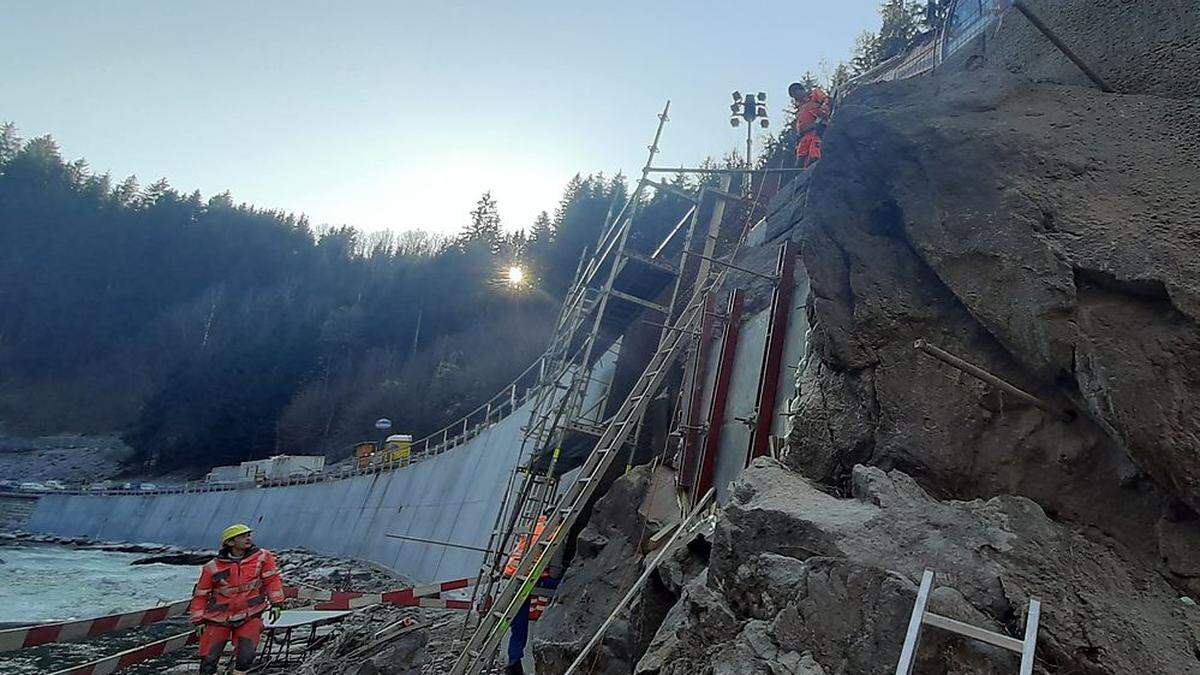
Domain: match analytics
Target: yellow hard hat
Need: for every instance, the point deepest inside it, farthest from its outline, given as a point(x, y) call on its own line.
point(233, 531)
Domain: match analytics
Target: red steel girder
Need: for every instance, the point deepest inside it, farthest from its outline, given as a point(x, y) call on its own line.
point(691, 422)
point(768, 381)
point(720, 394)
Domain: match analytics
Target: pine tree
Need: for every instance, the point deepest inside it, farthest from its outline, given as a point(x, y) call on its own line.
point(901, 22)
point(867, 53)
point(841, 74)
point(10, 142)
point(485, 224)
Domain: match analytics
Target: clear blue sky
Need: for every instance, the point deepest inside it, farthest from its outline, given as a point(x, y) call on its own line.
point(399, 114)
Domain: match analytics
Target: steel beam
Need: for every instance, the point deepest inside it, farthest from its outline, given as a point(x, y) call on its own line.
point(768, 381)
point(720, 394)
point(691, 426)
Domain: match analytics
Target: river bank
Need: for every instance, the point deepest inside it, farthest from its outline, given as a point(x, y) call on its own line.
point(53, 579)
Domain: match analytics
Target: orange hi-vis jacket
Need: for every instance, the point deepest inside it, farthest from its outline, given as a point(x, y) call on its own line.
point(233, 590)
point(514, 558)
point(815, 107)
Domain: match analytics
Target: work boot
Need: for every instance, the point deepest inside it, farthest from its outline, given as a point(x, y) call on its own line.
point(514, 669)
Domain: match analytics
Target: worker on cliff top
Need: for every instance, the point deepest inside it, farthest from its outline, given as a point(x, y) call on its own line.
point(813, 108)
point(234, 590)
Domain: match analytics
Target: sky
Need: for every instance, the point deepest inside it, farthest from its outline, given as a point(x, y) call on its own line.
point(401, 114)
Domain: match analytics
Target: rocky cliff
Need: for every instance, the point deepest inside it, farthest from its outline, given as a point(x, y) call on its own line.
point(1007, 211)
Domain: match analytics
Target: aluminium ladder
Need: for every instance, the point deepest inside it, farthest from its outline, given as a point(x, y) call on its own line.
point(922, 617)
point(492, 627)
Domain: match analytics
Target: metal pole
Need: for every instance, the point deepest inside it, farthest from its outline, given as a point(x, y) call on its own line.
point(972, 369)
point(722, 263)
point(1062, 46)
point(438, 543)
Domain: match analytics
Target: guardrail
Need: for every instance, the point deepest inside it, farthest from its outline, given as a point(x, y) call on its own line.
point(966, 21)
point(470, 425)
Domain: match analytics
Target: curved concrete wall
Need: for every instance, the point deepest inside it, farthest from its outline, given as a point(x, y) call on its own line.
point(451, 497)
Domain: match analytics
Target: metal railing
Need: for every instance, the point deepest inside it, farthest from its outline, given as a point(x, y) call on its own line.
point(966, 21)
point(447, 438)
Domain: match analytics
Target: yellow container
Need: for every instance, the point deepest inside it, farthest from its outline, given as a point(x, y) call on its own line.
point(398, 449)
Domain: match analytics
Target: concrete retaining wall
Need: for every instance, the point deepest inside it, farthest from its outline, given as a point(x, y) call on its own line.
point(15, 510)
point(451, 497)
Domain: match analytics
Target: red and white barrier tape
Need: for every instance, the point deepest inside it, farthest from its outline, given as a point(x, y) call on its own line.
point(111, 664)
point(70, 631)
point(417, 596)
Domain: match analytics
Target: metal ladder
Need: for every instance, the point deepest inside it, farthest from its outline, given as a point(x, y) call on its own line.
point(492, 627)
point(922, 617)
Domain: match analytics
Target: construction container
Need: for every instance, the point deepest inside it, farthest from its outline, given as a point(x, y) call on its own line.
point(397, 449)
point(363, 453)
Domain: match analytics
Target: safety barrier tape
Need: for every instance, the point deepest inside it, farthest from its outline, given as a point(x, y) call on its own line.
point(71, 631)
point(111, 664)
point(417, 596)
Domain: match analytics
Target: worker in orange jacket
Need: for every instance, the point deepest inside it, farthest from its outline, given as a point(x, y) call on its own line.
point(234, 590)
point(813, 110)
point(519, 627)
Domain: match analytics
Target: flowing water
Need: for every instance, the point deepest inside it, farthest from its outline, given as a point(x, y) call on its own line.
point(40, 583)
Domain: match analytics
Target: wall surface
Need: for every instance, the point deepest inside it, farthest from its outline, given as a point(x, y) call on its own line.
point(452, 497)
point(15, 510)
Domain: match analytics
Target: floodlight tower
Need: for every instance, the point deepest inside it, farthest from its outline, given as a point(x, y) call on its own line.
point(749, 107)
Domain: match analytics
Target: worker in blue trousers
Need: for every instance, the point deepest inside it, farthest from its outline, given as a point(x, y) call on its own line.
point(532, 608)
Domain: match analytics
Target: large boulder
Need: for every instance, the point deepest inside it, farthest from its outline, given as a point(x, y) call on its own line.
point(1044, 232)
point(608, 556)
point(802, 581)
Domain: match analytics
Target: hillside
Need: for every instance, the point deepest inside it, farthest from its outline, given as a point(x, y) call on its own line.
point(206, 332)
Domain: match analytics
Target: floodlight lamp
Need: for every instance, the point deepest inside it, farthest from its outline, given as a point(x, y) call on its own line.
point(762, 111)
point(765, 122)
point(737, 96)
point(734, 121)
point(733, 108)
point(762, 97)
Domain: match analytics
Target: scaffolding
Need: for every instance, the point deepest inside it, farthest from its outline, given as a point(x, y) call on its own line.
point(613, 289)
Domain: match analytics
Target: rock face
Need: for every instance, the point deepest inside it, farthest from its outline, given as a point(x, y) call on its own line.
point(802, 581)
point(605, 565)
point(1046, 233)
point(1147, 47)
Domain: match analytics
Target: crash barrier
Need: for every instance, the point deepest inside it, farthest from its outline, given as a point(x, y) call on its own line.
point(110, 664)
point(512, 397)
point(71, 631)
point(966, 20)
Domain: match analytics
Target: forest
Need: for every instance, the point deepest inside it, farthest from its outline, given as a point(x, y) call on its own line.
point(207, 331)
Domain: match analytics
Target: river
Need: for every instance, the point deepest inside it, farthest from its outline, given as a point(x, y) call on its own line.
point(40, 583)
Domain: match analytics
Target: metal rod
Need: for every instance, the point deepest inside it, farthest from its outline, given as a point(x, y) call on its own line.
point(667, 169)
point(768, 277)
point(438, 543)
point(1062, 46)
point(637, 585)
point(974, 370)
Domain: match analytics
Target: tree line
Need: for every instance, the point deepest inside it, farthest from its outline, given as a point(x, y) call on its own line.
point(207, 331)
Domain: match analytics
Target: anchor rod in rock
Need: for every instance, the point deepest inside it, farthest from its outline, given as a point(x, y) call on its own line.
point(1062, 46)
point(975, 371)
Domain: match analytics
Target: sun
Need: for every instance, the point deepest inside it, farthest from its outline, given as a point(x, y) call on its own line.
point(516, 276)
